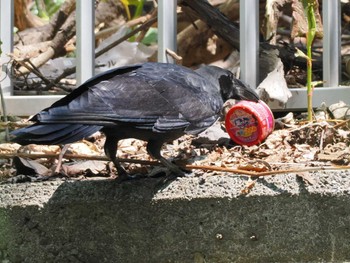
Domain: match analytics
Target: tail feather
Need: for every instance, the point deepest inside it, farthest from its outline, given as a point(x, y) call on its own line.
point(53, 133)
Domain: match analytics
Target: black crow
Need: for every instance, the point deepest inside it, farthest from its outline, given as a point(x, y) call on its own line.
point(154, 102)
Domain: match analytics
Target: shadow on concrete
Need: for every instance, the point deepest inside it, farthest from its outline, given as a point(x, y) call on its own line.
point(102, 221)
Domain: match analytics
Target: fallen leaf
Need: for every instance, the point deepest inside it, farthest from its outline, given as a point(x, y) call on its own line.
point(306, 177)
point(248, 188)
point(78, 168)
point(29, 167)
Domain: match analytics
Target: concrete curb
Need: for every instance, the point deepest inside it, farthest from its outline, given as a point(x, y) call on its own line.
point(205, 219)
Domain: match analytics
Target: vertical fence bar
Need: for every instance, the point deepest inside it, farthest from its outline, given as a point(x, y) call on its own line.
point(85, 60)
point(6, 36)
point(167, 24)
point(249, 41)
point(331, 42)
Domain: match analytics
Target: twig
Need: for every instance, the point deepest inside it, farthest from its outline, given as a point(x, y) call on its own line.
point(74, 156)
point(32, 68)
point(258, 174)
point(187, 166)
point(173, 54)
point(341, 124)
point(147, 24)
point(309, 124)
point(322, 139)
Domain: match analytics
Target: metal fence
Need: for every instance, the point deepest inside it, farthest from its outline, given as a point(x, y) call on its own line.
point(249, 41)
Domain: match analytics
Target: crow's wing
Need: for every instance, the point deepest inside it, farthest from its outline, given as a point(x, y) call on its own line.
point(56, 133)
point(154, 96)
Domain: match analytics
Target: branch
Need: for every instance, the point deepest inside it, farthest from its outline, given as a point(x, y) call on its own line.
point(56, 47)
point(187, 166)
point(217, 21)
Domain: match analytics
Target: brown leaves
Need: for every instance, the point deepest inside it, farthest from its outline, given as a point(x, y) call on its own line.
point(291, 149)
point(255, 166)
point(338, 153)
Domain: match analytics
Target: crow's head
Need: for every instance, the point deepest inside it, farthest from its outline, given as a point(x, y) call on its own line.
point(228, 85)
point(232, 88)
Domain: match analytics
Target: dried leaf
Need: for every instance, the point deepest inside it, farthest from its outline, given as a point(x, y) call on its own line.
point(82, 148)
point(300, 25)
point(40, 149)
point(306, 177)
point(29, 167)
point(9, 147)
point(78, 168)
point(248, 188)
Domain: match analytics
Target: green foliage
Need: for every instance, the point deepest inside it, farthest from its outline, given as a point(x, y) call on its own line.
point(151, 36)
point(52, 6)
point(46, 8)
point(138, 4)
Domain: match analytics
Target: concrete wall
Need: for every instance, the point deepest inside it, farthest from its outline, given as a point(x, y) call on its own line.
point(204, 219)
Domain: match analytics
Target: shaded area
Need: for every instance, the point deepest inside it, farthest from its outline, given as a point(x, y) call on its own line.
point(190, 220)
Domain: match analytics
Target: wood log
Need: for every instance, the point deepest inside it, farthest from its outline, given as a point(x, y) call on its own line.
point(48, 31)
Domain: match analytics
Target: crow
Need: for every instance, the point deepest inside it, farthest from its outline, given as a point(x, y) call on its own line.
point(154, 102)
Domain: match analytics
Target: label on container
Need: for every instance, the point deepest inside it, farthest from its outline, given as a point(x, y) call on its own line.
point(244, 126)
point(249, 123)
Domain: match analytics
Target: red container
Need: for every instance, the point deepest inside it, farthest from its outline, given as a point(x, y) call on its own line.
point(249, 123)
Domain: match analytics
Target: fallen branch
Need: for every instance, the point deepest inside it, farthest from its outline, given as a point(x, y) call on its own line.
point(26, 63)
point(187, 166)
point(66, 32)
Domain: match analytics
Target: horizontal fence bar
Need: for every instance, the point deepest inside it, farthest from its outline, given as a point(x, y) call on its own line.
point(29, 105)
point(329, 95)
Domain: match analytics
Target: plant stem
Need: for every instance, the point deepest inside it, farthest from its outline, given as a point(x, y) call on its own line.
point(309, 10)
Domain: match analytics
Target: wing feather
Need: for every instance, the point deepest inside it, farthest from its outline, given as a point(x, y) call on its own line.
point(176, 99)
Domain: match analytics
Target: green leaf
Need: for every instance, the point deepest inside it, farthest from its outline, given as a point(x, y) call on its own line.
point(137, 3)
point(150, 37)
point(300, 54)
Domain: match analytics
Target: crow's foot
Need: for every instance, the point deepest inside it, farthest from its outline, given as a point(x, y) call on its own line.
point(129, 177)
point(159, 171)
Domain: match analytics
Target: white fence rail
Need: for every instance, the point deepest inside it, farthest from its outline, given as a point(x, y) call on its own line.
point(27, 105)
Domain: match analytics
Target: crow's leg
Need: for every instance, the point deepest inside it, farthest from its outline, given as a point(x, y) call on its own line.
point(153, 148)
point(110, 148)
point(60, 158)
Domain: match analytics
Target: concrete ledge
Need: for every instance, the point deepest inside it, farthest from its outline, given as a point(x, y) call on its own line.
point(204, 219)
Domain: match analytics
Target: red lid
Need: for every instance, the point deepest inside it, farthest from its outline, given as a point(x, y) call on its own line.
point(249, 123)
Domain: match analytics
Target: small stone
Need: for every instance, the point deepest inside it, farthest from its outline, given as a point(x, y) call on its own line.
point(340, 110)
